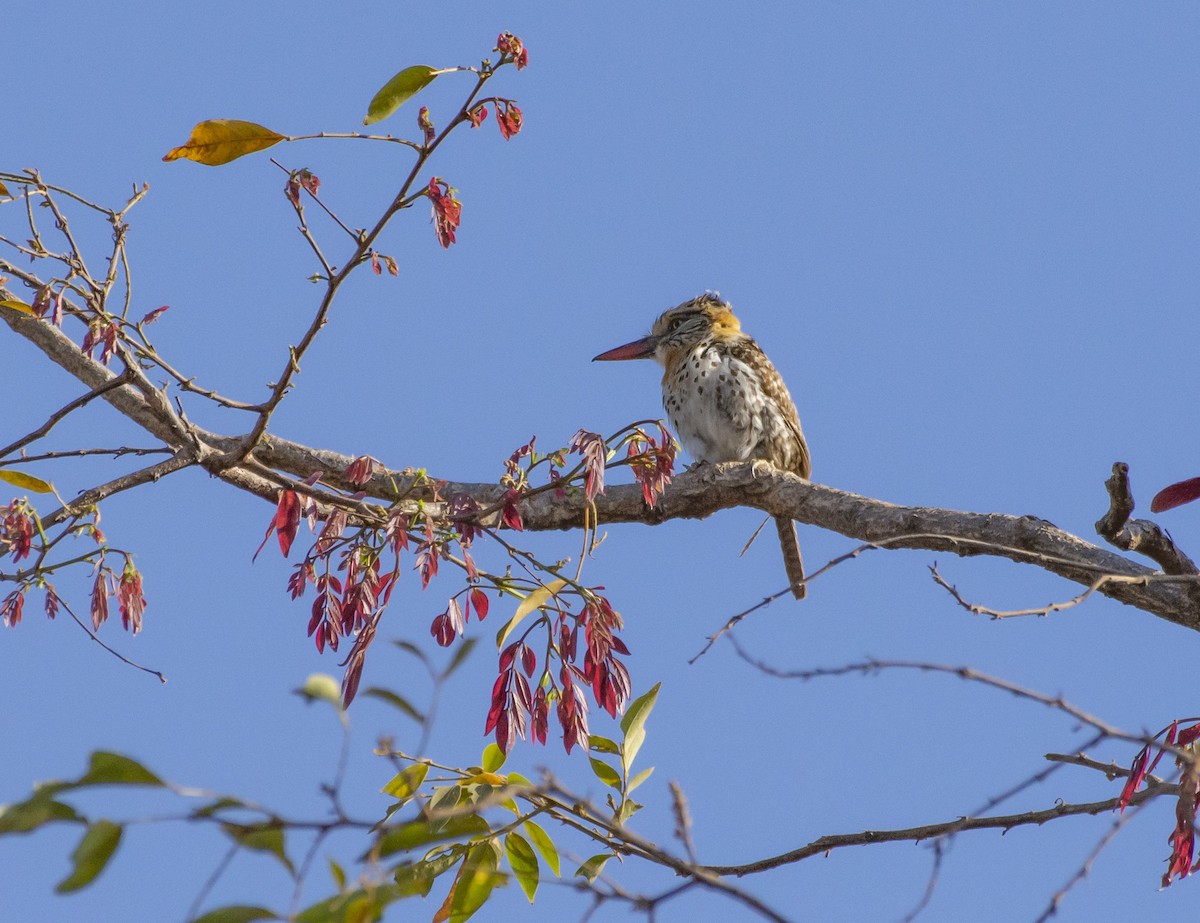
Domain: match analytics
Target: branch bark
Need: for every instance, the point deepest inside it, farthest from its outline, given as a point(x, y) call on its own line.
point(693, 495)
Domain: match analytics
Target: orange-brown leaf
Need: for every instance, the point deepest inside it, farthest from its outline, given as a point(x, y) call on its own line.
point(218, 141)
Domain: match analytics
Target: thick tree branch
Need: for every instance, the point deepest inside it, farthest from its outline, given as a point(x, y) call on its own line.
point(65, 353)
point(1140, 535)
point(693, 495)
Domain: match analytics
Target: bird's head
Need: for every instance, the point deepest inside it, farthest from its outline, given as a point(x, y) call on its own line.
point(680, 329)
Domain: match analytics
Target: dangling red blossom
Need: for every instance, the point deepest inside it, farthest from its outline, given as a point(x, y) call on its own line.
point(100, 593)
point(52, 602)
point(1183, 837)
point(359, 471)
point(509, 44)
point(572, 712)
point(512, 700)
point(595, 453)
point(130, 598)
point(397, 531)
point(42, 300)
point(463, 510)
point(16, 530)
point(540, 715)
point(310, 181)
point(608, 676)
point(480, 601)
point(284, 523)
point(509, 118)
point(102, 335)
point(652, 462)
point(447, 210)
point(477, 115)
point(512, 467)
point(301, 179)
point(511, 515)
point(302, 575)
point(442, 630)
point(355, 661)
point(152, 316)
point(11, 608)
point(427, 562)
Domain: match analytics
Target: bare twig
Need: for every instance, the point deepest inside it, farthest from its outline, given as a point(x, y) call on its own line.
point(1086, 866)
point(81, 401)
point(1041, 610)
point(121, 657)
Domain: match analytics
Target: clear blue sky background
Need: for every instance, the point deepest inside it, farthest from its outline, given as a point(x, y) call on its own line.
point(967, 236)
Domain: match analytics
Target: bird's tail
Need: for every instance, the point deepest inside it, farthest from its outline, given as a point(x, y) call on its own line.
point(792, 561)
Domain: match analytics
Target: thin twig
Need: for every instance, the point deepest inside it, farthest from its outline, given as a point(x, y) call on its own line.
point(121, 657)
point(123, 379)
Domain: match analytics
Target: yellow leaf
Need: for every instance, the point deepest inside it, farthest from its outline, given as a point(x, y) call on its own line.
point(26, 481)
point(4, 191)
point(218, 141)
point(534, 600)
point(18, 306)
point(485, 778)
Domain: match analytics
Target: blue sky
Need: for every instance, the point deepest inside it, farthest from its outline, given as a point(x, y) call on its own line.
point(966, 236)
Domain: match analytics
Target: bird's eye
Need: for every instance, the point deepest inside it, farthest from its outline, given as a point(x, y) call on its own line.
point(676, 323)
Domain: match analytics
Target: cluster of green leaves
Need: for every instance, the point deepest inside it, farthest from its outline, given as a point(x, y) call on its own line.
point(621, 778)
point(478, 822)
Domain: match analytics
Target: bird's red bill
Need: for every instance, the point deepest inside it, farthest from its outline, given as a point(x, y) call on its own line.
point(638, 349)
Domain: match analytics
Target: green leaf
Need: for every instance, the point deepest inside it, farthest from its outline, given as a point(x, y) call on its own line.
point(260, 838)
point(114, 769)
point(461, 653)
point(639, 779)
point(475, 882)
point(493, 758)
point(397, 91)
point(386, 695)
point(409, 648)
point(237, 913)
point(606, 773)
point(602, 744)
point(535, 600)
point(31, 814)
point(357, 905)
point(407, 782)
point(338, 874)
point(415, 879)
point(420, 832)
point(218, 141)
point(321, 687)
point(225, 803)
point(633, 723)
point(629, 807)
point(91, 855)
point(591, 869)
point(544, 845)
point(26, 481)
point(523, 861)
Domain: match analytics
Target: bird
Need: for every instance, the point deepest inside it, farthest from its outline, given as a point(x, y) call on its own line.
point(725, 399)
